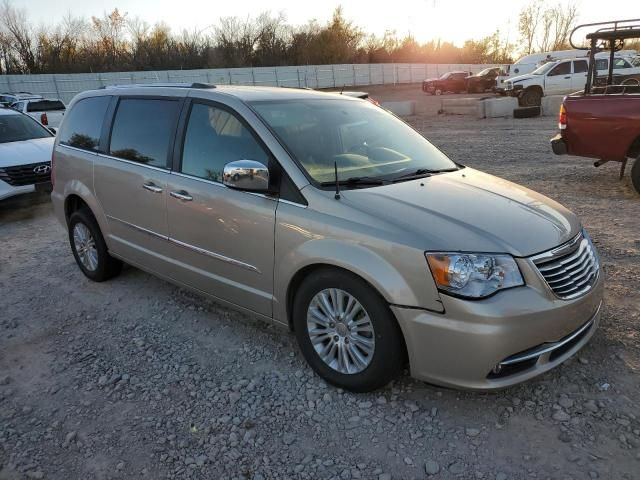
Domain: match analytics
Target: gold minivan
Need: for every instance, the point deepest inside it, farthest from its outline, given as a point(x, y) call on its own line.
point(328, 215)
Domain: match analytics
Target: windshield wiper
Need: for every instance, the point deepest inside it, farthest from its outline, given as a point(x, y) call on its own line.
point(421, 173)
point(357, 181)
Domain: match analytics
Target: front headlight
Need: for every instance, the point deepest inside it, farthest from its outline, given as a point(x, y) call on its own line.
point(473, 275)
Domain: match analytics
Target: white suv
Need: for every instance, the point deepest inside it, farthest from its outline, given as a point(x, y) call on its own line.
point(25, 154)
point(563, 77)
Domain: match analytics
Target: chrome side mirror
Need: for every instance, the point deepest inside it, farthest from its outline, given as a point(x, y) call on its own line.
point(246, 175)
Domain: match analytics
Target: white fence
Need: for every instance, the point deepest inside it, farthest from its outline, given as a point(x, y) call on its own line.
point(66, 86)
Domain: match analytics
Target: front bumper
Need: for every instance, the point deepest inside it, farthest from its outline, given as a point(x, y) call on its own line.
point(558, 145)
point(7, 190)
point(463, 347)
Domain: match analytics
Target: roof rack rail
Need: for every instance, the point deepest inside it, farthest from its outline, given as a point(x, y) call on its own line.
point(159, 85)
point(611, 30)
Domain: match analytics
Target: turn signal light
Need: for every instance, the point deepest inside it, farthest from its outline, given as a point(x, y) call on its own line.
point(43, 119)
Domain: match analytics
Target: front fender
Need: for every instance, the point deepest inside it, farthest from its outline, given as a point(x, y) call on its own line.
point(399, 273)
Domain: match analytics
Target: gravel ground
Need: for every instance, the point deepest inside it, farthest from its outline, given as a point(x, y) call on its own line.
point(135, 378)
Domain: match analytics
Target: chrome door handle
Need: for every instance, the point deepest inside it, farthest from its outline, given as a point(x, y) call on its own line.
point(152, 187)
point(182, 195)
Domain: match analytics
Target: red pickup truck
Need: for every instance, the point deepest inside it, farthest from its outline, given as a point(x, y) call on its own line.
point(603, 122)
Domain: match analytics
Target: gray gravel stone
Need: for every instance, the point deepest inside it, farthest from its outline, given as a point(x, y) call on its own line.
point(431, 467)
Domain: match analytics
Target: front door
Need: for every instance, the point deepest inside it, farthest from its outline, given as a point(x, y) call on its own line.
point(222, 238)
point(558, 81)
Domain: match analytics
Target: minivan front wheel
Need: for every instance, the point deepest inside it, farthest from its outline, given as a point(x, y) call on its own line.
point(346, 331)
point(89, 248)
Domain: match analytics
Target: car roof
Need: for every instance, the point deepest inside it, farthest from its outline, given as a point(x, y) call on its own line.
point(243, 92)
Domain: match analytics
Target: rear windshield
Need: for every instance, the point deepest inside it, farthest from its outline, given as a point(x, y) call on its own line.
point(45, 106)
point(17, 128)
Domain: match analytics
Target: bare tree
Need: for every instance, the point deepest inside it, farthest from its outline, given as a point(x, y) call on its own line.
point(543, 27)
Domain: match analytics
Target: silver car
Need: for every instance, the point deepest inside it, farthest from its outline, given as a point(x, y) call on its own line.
point(328, 215)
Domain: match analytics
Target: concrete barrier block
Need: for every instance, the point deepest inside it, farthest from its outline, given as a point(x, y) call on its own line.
point(403, 109)
point(463, 106)
point(500, 107)
point(551, 105)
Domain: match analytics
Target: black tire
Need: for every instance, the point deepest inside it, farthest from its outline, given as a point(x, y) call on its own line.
point(388, 356)
point(530, 98)
point(526, 112)
point(107, 266)
point(635, 174)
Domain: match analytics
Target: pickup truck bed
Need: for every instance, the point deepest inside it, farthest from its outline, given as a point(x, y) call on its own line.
point(601, 126)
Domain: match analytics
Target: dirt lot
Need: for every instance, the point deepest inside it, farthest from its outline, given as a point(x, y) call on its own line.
point(135, 378)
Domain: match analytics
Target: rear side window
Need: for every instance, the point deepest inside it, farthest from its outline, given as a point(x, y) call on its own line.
point(82, 125)
point(45, 106)
point(602, 64)
point(580, 66)
point(143, 129)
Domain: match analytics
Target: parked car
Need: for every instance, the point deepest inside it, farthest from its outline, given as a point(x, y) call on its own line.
point(25, 154)
point(48, 112)
point(483, 81)
point(448, 82)
point(603, 121)
point(529, 63)
point(564, 77)
point(7, 99)
point(330, 216)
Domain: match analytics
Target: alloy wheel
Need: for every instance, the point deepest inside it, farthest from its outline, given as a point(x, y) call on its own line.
point(340, 331)
point(85, 246)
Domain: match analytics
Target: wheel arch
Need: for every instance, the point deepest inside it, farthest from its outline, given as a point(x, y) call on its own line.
point(634, 149)
point(308, 270)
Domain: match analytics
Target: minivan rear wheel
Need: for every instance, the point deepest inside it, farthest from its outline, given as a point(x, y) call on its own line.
point(89, 248)
point(346, 331)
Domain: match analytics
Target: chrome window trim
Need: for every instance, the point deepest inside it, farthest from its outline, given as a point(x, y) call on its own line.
point(82, 150)
point(200, 179)
point(295, 204)
point(188, 246)
point(130, 162)
point(222, 185)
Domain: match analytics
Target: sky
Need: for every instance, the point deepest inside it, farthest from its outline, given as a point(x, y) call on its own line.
point(454, 20)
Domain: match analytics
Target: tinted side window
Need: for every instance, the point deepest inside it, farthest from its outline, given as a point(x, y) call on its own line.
point(143, 129)
point(213, 138)
point(602, 64)
point(82, 125)
point(580, 66)
point(563, 68)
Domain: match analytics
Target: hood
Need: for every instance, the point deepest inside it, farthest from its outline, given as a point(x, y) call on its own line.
point(431, 80)
point(26, 152)
point(521, 78)
point(470, 211)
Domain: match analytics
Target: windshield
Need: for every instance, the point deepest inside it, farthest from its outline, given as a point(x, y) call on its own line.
point(444, 76)
point(544, 68)
point(364, 140)
point(486, 71)
point(16, 128)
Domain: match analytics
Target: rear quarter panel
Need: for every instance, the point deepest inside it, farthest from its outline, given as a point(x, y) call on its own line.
point(602, 126)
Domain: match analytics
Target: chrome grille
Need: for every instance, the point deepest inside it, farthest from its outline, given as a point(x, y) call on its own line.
point(571, 269)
